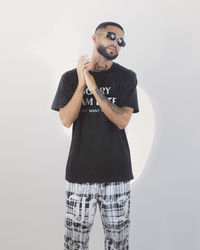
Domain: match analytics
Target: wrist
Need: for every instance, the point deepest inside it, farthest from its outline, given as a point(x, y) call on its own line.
point(93, 89)
point(81, 88)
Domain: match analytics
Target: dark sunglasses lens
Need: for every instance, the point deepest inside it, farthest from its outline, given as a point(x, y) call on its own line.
point(111, 35)
point(121, 42)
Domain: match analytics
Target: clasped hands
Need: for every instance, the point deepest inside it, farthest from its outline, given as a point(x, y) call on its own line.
point(90, 81)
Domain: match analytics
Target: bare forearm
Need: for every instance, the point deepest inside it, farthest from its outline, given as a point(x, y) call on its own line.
point(71, 110)
point(114, 113)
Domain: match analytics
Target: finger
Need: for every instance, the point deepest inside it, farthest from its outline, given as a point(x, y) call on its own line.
point(84, 64)
point(84, 56)
point(84, 61)
point(85, 70)
point(81, 58)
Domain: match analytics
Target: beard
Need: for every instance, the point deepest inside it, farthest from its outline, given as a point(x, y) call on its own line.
point(102, 51)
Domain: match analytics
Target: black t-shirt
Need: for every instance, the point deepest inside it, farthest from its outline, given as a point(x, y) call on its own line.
point(99, 150)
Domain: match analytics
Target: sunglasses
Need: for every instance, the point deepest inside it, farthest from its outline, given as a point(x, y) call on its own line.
point(112, 36)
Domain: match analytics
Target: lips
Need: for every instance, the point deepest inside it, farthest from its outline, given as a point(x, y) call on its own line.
point(113, 49)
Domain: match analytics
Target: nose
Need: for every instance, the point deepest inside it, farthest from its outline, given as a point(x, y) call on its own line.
point(114, 44)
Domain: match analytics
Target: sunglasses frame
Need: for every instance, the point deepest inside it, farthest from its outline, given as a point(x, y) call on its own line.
point(109, 33)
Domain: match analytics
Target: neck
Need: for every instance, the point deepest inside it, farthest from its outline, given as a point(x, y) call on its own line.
point(99, 63)
point(99, 66)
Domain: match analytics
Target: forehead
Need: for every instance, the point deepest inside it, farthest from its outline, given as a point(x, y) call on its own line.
point(116, 30)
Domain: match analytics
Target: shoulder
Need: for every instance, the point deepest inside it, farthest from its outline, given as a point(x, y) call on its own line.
point(126, 72)
point(69, 75)
point(126, 75)
point(69, 80)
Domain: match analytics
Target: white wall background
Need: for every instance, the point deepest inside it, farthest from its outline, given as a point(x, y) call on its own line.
point(163, 49)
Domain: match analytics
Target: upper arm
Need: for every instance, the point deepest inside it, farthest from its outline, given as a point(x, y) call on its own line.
point(64, 93)
point(128, 92)
point(60, 115)
point(60, 111)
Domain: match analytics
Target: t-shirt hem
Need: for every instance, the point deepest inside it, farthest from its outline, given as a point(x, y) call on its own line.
point(98, 180)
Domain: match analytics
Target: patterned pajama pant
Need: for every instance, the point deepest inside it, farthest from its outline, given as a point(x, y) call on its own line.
point(113, 199)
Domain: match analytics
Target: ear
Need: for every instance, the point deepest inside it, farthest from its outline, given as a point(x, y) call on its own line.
point(94, 37)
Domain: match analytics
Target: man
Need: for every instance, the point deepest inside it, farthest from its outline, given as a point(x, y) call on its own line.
point(98, 98)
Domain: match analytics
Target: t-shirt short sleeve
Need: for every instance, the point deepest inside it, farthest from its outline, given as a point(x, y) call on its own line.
point(128, 93)
point(63, 95)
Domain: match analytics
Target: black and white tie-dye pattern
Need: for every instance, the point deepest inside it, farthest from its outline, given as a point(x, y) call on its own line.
point(113, 199)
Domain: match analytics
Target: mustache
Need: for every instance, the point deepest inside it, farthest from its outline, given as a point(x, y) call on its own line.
point(113, 48)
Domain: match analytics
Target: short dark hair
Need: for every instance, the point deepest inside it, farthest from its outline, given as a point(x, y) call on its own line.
point(102, 26)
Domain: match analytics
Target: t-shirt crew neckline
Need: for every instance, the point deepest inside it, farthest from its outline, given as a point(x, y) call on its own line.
point(104, 71)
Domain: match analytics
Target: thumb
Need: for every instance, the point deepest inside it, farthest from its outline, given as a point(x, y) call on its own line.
point(85, 71)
